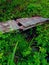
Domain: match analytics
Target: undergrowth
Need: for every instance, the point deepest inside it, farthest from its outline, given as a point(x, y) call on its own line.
point(11, 9)
point(15, 49)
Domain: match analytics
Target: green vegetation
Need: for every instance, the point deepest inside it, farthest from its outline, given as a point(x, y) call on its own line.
point(15, 49)
point(10, 9)
point(11, 57)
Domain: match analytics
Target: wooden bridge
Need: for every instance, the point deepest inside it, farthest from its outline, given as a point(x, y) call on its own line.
point(21, 24)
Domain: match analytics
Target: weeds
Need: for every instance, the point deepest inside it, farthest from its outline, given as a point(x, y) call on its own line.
point(14, 9)
point(11, 57)
point(33, 51)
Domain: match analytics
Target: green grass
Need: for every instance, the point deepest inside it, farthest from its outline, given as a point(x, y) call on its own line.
point(23, 53)
point(11, 57)
point(14, 9)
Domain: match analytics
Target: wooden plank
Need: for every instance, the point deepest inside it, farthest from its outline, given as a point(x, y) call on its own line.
point(8, 26)
point(25, 28)
point(21, 24)
point(13, 25)
point(31, 21)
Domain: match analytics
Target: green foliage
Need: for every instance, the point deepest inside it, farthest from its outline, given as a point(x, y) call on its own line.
point(43, 38)
point(10, 9)
point(23, 52)
point(1, 54)
point(26, 52)
point(11, 57)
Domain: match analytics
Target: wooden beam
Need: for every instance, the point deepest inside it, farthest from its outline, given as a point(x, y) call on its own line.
point(21, 24)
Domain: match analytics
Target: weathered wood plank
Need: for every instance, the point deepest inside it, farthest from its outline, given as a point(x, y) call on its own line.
point(13, 25)
point(21, 24)
point(25, 28)
point(8, 26)
point(31, 21)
